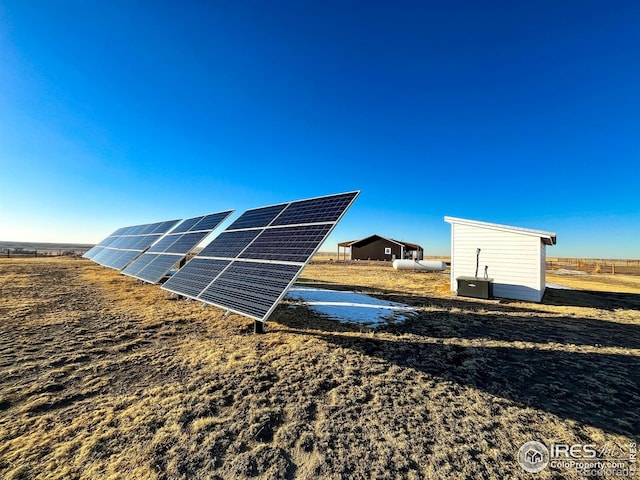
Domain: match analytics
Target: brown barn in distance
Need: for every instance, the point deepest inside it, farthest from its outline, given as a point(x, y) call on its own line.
point(377, 247)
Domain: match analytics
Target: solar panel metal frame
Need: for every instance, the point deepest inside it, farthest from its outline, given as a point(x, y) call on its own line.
point(237, 258)
point(179, 233)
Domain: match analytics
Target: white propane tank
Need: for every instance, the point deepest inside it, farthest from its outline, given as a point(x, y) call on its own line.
point(427, 265)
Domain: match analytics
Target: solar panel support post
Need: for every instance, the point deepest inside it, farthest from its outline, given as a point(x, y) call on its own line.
point(258, 327)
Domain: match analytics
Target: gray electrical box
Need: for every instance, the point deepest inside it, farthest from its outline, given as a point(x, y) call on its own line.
point(475, 287)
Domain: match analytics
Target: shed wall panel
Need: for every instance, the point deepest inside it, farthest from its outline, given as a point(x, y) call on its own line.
point(513, 260)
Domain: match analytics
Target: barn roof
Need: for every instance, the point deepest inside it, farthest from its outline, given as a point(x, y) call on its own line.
point(549, 238)
point(411, 246)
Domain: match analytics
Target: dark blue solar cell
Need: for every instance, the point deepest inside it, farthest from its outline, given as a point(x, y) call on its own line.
point(123, 260)
point(229, 244)
point(158, 268)
point(325, 209)
point(139, 264)
point(250, 288)
point(292, 244)
point(164, 227)
point(258, 217)
point(186, 225)
point(191, 279)
point(185, 243)
point(209, 222)
point(164, 243)
point(143, 242)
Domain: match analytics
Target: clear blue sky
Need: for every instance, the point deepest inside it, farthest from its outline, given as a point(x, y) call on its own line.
point(115, 113)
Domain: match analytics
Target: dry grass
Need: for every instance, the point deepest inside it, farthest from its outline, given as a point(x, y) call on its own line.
point(102, 377)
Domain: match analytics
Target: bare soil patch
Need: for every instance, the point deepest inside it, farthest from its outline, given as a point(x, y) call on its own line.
point(104, 377)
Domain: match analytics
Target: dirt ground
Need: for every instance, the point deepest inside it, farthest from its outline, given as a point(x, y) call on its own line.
point(104, 377)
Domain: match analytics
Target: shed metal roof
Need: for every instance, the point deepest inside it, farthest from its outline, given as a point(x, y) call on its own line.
point(549, 238)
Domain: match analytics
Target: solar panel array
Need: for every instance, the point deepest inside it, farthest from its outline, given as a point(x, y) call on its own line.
point(171, 249)
point(250, 266)
point(127, 243)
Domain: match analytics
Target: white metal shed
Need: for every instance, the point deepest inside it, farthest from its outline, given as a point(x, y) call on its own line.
point(515, 257)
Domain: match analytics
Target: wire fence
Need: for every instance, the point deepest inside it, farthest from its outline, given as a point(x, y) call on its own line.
point(23, 253)
point(595, 265)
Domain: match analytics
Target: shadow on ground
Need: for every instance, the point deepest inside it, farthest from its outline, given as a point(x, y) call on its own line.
point(592, 299)
point(544, 369)
point(602, 390)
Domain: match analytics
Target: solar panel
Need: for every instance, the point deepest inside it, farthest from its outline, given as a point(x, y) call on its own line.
point(250, 288)
point(185, 225)
point(258, 217)
point(140, 263)
point(172, 248)
point(109, 240)
point(102, 254)
point(187, 242)
point(127, 243)
point(229, 244)
point(249, 267)
point(123, 259)
point(291, 244)
point(315, 210)
point(149, 228)
point(210, 222)
point(157, 268)
point(135, 230)
point(92, 252)
point(196, 275)
point(162, 244)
